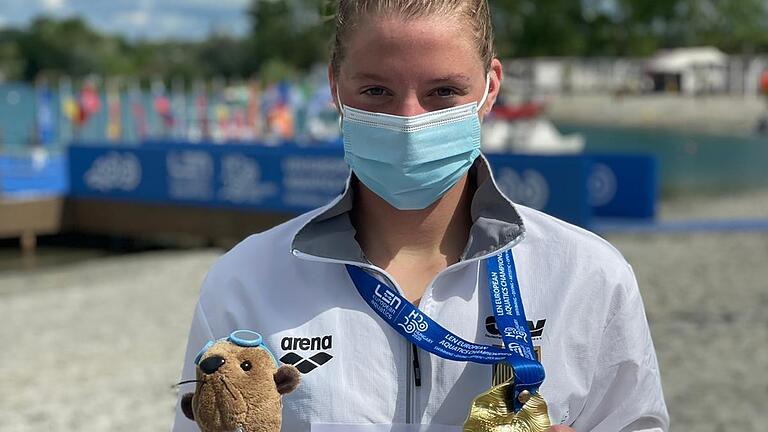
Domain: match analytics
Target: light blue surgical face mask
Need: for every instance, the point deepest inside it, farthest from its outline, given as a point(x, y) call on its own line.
point(412, 161)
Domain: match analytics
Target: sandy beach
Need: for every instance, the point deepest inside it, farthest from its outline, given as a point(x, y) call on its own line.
point(96, 341)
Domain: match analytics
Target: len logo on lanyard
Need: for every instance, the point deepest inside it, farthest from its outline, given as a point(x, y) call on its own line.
point(515, 403)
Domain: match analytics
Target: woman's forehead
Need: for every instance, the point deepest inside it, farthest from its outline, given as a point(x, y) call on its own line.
point(427, 48)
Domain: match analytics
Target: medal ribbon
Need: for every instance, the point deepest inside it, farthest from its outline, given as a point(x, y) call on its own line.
point(418, 328)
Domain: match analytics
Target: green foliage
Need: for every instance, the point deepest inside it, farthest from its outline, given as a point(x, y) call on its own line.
point(288, 36)
point(628, 27)
point(736, 26)
point(70, 47)
point(290, 31)
point(275, 70)
point(12, 63)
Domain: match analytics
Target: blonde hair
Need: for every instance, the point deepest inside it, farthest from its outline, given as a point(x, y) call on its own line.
point(476, 13)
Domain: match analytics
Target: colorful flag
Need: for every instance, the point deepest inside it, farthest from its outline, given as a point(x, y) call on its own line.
point(69, 107)
point(138, 112)
point(201, 103)
point(162, 105)
point(46, 125)
point(220, 110)
point(280, 119)
point(90, 102)
point(179, 108)
point(114, 114)
point(254, 121)
point(66, 103)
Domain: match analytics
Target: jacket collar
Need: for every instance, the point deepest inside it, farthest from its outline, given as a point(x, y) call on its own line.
point(495, 223)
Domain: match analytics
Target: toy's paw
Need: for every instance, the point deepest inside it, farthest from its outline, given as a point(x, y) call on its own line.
point(287, 379)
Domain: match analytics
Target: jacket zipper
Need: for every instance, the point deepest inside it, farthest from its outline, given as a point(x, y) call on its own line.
point(413, 381)
point(413, 368)
point(408, 392)
point(413, 384)
point(416, 366)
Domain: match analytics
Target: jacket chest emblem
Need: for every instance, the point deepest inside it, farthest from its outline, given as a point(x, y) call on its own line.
point(306, 353)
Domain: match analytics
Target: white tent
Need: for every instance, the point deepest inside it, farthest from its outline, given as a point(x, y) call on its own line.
point(680, 60)
point(691, 70)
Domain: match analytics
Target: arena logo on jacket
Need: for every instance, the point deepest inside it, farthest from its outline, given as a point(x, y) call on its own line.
point(306, 353)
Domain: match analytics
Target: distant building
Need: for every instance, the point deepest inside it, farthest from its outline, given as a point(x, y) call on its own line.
point(558, 75)
point(683, 71)
point(689, 71)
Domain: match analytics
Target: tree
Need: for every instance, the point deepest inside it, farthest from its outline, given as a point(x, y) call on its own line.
point(289, 31)
point(288, 36)
point(11, 61)
point(539, 28)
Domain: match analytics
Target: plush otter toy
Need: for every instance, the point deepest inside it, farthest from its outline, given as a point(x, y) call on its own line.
point(239, 386)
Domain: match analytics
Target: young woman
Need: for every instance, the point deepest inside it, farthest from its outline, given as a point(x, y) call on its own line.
point(423, 217)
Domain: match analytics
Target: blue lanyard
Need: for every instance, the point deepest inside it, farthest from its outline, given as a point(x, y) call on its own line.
point(420, 329)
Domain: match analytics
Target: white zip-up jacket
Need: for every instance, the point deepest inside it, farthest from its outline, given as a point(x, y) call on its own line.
point(580, 296)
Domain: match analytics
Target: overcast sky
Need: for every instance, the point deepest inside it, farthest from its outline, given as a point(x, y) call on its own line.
point(147, 19)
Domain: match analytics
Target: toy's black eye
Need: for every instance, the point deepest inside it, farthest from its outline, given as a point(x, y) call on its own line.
point(246, 365)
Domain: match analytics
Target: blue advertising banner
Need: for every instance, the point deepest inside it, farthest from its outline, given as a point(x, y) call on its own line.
point(623, 186)
point(229, 176)
point(556, 185)
point(40, 174)
point(293, 179)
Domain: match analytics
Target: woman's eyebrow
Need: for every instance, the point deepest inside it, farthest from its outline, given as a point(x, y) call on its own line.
point(452, 78)
point(372, 76)
point(368, 76)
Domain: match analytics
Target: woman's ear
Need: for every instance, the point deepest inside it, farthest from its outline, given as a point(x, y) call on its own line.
point(495, 77)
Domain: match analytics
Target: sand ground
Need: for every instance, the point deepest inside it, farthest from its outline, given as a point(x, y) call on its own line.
point(94, 342)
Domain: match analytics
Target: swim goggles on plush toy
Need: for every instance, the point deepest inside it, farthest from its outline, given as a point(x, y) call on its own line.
point(243, 338)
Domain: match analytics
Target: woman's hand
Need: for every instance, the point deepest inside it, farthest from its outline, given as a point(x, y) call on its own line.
point(560, 428)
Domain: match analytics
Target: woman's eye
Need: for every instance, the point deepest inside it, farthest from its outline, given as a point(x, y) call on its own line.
point(375, 91)
point(246, 365)
point(445, 92)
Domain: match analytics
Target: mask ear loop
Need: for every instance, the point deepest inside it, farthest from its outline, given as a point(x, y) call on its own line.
point(485, 95)
point(338, 99)
point(341, 108)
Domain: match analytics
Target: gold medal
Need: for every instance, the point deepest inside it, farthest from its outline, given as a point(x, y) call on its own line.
point(491, 412)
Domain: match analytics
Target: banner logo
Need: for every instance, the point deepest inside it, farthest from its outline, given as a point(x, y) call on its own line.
point(601, 185)
point(528, 188)
point(190, 175)
point(114, 171)
point(241, 181)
